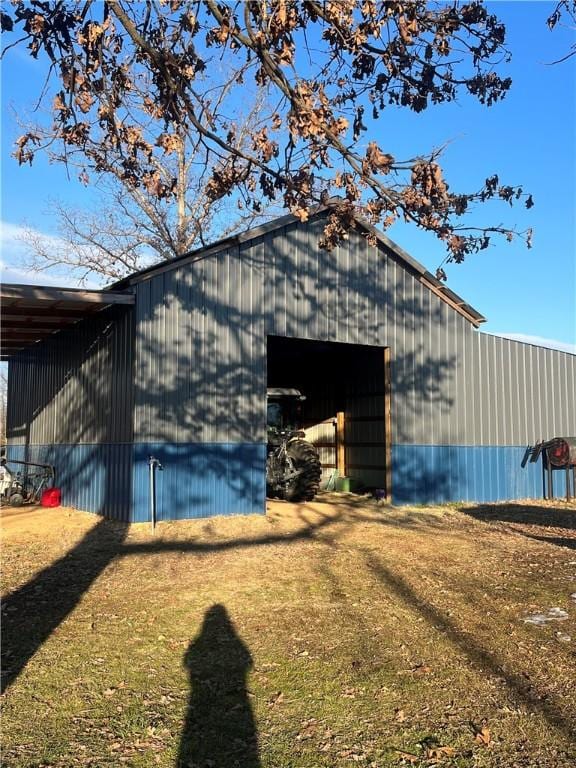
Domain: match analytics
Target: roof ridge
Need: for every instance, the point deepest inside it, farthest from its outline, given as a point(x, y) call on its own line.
point(424, 275)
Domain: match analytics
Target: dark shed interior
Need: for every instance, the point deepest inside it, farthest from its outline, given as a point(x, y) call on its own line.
point(346, 404)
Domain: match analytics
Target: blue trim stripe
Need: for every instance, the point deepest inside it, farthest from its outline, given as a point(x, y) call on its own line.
point(201, 480)
point(207, 479)
point(437, 473)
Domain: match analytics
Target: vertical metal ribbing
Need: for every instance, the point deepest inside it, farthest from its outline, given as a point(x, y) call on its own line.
point(485, 387)
point(62, 391)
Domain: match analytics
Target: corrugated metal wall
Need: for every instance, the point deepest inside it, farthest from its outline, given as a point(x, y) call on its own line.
point(200, 373)
point(202, 330)
point(75, 387)
point(201, 356)
point(70, 403)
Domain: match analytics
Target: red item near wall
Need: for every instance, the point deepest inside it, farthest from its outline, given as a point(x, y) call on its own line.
point(51, 497)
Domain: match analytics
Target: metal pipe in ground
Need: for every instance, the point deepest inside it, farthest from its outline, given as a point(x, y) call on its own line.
point(153, 465)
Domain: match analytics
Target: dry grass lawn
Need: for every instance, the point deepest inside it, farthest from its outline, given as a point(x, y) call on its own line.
point(326, 634)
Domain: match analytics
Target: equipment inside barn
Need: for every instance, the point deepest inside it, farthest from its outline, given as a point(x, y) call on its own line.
point(292, 463)
point(557, 454)
point(27, 485)
point(346, 411)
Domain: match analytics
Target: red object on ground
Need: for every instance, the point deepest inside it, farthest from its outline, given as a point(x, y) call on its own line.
point(51, 497)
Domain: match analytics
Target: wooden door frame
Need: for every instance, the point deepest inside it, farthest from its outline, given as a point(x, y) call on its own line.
point(388, 422)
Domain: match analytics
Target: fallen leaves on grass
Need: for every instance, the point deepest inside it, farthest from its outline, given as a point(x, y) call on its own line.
point(482, 736)
point(408, 757)
point(436, 754)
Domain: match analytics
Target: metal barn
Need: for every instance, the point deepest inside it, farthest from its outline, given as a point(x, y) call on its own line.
point(175, 361)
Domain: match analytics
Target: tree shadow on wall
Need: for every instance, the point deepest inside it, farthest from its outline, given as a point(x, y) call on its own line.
point(219, 729)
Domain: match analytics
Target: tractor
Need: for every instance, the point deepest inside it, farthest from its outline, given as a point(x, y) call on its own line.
point(292, 464)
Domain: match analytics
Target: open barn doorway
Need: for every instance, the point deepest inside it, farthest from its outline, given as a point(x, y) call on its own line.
point(346, 413)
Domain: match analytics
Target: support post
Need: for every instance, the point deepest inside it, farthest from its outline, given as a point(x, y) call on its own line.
point(388, 422)
point(153, 464)
point(340, 444)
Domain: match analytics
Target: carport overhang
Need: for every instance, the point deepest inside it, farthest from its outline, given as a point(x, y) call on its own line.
point(31, 313)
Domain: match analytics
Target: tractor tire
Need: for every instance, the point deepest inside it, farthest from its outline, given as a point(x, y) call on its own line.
point(306, 461)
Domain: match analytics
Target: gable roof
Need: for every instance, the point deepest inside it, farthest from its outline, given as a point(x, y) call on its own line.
point(413, 266)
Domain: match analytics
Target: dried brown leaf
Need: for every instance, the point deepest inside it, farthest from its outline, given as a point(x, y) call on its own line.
point(483, 736)
point(439, 753)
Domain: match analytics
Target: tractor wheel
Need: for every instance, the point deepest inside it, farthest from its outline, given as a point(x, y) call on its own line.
point(16, 499)
point(306, 462)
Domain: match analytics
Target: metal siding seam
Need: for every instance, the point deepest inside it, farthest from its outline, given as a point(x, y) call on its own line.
point(538, 431)
point(452, 362)
point(532, 404)
point(354, 291)
point(562, 364)
point(268, 280)
point(521, 396)
point(398, 399)
point(301, 317)
point(524, 402)
point(559, 425)
point(224, 329)
point(563, 411)
point(286, 280)
point(506, 401)
point(462, 379)
point(464, 405)
point(477, 384)
point(488, 432)
point(346, 296)
point(428, 341)
point(571, 389)
point(513, 365)
point(498, 394)
point(542, 394)
point(554, 403)
point(357, 327)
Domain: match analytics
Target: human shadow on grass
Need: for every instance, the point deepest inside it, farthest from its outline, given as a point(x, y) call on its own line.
point(35, 610)
point(219, 729)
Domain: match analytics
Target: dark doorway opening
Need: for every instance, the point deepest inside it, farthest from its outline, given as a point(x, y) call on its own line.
point(346, 413)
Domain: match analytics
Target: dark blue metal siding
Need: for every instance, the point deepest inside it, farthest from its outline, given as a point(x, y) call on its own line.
point(200, 480)
point(94, 478)
point(439, 473)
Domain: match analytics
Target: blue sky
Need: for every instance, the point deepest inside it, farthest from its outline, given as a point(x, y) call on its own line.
point(528, 139)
